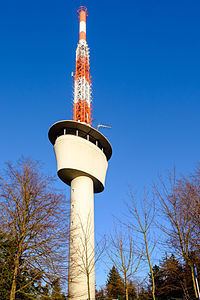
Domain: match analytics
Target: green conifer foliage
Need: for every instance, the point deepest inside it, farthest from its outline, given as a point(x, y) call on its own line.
point(57, 293)
point(114, 285)
point(7, 250)
point(169, 279)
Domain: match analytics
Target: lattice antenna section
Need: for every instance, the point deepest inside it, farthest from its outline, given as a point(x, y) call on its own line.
point(82, 78)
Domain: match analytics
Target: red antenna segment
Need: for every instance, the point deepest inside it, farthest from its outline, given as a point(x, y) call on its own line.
point(82, 78)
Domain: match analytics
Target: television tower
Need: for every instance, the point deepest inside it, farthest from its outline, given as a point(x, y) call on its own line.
point(82, 154)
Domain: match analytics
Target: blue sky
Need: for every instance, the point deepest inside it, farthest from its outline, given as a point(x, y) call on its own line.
point(145, 66)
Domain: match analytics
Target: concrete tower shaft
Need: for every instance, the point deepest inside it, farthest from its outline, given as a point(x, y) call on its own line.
point(82, 78)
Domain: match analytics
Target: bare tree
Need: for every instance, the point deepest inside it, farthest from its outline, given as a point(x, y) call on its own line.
point(32, 213)
point(124, 256)
point(195, 209)
point(180, 203)
point(142, 221)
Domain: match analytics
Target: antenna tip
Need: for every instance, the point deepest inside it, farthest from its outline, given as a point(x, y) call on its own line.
point(82, 9)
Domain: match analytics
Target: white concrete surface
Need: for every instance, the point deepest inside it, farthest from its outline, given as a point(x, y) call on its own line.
point(82, 248)
point(74, 152)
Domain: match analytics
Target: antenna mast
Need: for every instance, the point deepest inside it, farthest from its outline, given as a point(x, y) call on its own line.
point(82, 77)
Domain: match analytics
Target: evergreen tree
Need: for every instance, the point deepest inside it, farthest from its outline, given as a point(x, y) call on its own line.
point(100, 294)
point(171, 274)
point(7, 250)
point(28, 276)
point(195, 258)
point(157, 277)
point(131, 290)
point(168, 279)
point(57, 293)
point(114, 285)
point(144, 294)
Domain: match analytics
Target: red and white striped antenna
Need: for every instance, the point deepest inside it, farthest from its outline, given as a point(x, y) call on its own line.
point(82, 77)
